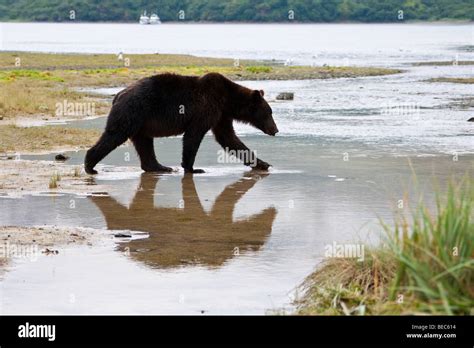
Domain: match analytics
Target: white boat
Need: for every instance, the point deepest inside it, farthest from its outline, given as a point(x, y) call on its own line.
point(144, 19)
point(154, 19)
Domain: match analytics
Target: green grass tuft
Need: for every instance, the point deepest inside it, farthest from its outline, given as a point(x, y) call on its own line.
point(53, 181)
point(426, 266)
point(13, 75)
point(435, 253)
point(258, 69)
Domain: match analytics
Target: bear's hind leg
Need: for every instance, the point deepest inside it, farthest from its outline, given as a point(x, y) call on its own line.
point(191, 142)
point(107, 142)
point(146, 152)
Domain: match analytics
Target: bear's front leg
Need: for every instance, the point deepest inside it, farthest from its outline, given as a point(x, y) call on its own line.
point(226, 137)
point(261, 165)
point(191, 142)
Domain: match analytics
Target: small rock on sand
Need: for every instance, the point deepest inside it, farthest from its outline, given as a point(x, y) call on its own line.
point(48, 251)
point(123, 235)
point(285, 96)
point(61, 157)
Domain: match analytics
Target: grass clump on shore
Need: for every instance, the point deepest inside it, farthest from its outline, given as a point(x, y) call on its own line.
point(53, 181)
point(13, 138)
point(436, 255)
point(348, 287)
point(77, 172)
point(68, 61)
point(444, 63)
point(259, 69)
point(30, 96)
point(426, 267)
point(12, 75)
point(467, 80)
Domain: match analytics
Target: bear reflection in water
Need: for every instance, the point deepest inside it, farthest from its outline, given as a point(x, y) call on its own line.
point(187, 234)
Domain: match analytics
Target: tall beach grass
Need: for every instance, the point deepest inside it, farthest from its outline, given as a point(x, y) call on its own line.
point(435, 253)
point(425, 266)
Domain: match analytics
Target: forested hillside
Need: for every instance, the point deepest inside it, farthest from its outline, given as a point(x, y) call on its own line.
point(237, 10)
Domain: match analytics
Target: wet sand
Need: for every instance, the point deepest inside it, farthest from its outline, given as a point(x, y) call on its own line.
point(21, 177)
point(47, 235)
point(28, 243)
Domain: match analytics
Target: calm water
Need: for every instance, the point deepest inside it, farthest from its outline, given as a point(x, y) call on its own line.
point(344, 156)
point(374, 44)
point(279, 225)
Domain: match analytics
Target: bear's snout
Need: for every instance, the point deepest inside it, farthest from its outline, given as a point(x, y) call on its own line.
point(272, 131)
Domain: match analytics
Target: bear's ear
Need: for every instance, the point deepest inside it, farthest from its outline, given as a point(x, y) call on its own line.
point(257, 95)
point(262, 93)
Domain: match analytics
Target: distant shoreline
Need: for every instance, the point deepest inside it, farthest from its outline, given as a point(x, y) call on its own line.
point(405, 22)
point(34, 88)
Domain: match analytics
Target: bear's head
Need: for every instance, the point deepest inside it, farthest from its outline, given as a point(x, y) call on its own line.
point(258, 113)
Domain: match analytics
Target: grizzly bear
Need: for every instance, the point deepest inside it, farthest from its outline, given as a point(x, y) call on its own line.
point(169, 104)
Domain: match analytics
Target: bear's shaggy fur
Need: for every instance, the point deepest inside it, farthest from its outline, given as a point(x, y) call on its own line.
point(168, 104)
